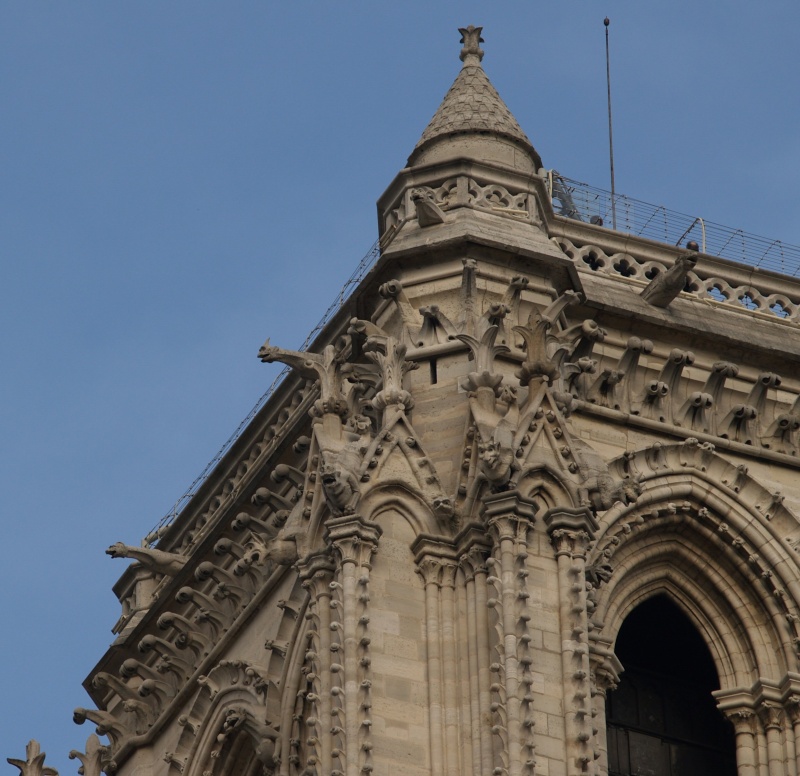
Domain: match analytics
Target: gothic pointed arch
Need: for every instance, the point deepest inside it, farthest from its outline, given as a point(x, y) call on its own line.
point(232, 719)
point(705, 535)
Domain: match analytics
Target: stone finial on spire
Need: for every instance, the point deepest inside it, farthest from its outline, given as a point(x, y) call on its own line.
point(471, 54)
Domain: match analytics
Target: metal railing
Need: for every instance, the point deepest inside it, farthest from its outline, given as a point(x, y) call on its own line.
point(583, 202)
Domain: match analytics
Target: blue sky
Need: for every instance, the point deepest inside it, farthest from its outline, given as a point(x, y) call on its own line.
point(181, 180)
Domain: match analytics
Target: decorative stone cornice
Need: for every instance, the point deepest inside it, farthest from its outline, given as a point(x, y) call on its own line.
point(355, 539)
point(508, 504)
point(570, 530)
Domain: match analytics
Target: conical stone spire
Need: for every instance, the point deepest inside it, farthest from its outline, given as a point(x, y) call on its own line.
point(473, 121)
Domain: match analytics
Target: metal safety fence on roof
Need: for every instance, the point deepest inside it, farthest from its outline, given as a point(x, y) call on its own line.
point(583, 202)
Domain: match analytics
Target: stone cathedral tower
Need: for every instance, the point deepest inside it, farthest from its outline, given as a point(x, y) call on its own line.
point(528, 506)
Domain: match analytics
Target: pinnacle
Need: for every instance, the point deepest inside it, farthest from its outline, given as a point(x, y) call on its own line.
point(472, 105)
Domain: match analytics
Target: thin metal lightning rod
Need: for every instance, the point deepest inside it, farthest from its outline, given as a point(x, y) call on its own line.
point(606, 22)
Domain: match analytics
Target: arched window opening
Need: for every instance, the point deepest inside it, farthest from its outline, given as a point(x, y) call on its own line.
point(237, 757)
point(662, 719)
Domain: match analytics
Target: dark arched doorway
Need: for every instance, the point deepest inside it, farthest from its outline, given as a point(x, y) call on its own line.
point(662, 719)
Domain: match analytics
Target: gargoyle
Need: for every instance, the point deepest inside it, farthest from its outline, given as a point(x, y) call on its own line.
point(598, 489)
point(443, 507)
point(340, 483)
point(324, 367)
point(168, 563)
point(665, 286)
point(428, 212)
point(280, 549)
point(496, 458)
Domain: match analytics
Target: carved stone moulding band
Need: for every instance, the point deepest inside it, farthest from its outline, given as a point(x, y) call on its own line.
point(716, 289)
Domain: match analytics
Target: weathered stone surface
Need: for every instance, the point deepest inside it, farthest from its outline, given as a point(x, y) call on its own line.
point(420, 557)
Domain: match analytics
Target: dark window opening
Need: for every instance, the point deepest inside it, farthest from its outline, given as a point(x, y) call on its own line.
point(434, 375)
point(662, 719)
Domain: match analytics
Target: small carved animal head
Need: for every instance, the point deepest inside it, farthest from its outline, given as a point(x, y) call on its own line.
point(489, 453)
point(267, 352)
point(630, 489)
point(443, 506)
point(329, 474)
point(117, 550)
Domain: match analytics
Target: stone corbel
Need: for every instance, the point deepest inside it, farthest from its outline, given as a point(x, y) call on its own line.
point(126, 693)
point(436, 327)
point(276, 503)
point(660, 399)
point(696, 454)
point(696, 412)
point(614, 387)
point(781, 434)
point(249, 556)
point(715, 382)
point(209, 609)
point(229, 586)
point(741, 423)
point(169, 659)
point(108, 724)
point(153, 685)
point(582, 338)
point(186, 633)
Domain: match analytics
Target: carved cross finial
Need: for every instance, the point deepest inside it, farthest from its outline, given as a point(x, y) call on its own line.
point(472, 53)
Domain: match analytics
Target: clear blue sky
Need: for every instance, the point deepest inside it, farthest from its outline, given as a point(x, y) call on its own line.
point(180, 180)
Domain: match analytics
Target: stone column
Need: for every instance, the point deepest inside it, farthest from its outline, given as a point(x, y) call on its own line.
point(317, 575)
point(606, 670)
point(436, 564)
point(355, 541)
point(570, 532)
point(470, 562)
point(793, 713)
point(475, 548)
point(510, 516)
point(772, 718)
point(743, 720)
